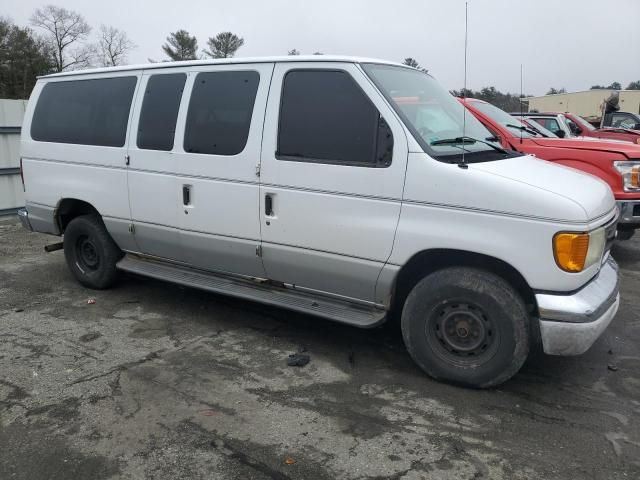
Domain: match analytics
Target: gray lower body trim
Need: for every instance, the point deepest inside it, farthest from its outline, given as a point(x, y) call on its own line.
point(322, 271)
point(42, 218)
point(385, 284)
point(24, 219)
point(118, 228)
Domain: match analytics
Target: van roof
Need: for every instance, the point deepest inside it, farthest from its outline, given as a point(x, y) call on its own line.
point(227, 61)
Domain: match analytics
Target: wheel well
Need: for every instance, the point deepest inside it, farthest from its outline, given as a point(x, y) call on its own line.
point(70, 208)
point(428, 261)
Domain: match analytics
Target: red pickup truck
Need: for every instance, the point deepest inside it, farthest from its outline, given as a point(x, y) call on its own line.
point(617, 163)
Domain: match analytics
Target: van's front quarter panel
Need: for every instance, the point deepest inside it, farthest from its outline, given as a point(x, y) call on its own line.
point(489, 217)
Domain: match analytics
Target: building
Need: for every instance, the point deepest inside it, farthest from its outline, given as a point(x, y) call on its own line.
point(11, 194)
point(587, 104)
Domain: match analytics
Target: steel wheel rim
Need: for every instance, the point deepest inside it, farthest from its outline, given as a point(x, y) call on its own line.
point(87, 254)
point(460, 332)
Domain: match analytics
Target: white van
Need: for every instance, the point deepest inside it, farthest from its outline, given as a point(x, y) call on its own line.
point(344, 188)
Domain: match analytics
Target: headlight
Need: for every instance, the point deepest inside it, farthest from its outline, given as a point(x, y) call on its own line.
point(575, 251)
point(630, 172)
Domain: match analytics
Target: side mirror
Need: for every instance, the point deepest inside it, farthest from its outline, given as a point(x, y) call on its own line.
point(637, 127)
point(577, 131)
point(560, 133)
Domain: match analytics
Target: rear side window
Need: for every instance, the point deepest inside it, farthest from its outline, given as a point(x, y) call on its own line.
point(159, 114)
point(326, 118)
point(87, 112)
point(220, 112)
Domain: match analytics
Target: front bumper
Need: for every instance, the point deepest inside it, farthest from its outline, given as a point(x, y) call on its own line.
point(569, 324)
point(23, 215)
point(629, 212)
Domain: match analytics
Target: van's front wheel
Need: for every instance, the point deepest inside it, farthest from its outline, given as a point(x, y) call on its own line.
point(90, 252)
point(466, 326)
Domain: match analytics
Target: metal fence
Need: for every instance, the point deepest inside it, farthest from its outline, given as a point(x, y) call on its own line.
point(11, 194)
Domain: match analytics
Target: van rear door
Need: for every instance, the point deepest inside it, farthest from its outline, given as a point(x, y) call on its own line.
point(153, 193)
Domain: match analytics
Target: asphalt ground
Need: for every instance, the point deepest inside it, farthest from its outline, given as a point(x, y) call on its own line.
point(158, 381)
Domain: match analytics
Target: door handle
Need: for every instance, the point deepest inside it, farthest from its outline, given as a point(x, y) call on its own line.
point(268, 205)
point(186, 194)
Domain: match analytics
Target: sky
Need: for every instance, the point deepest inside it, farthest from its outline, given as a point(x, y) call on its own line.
point(560, 43)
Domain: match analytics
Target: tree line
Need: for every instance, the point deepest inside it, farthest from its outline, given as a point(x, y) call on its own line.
point(617, 86)
point(509, 102)
point(613, 86)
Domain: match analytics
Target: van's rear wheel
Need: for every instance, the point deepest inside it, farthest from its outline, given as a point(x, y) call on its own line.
point(466, 326)
point(90, 252)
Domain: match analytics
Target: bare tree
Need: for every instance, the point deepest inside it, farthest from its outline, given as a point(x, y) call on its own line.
point(181, 46)
point(66, 32)
point(114, 45)
point(223, 45)
point(293, 52)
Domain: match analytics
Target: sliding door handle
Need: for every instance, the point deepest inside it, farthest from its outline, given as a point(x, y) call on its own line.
point(186, 194)
point(268, 205)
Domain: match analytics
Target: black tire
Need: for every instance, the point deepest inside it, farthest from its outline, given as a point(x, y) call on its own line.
point(90, 252)
point(625, 233)
point(466, 326)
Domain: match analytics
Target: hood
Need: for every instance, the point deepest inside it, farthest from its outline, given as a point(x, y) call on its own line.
point(562, 193)
point(617, 130)
point(600, 140)
point(627, 149)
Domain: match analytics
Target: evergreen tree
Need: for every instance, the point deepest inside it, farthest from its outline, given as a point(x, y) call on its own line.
point(23, 57)
point(181, 46)
point(224, 45)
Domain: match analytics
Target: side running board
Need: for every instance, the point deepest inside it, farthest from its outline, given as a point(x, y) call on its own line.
point(334, 309)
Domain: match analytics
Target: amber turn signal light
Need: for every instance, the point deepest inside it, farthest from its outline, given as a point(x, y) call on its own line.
point(635, 177)
point(570, 250)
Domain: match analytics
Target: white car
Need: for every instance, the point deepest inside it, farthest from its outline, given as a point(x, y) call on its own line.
point(344, 188)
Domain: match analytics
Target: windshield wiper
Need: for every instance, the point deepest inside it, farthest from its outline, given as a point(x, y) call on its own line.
point(463, 140)
point(524, 129)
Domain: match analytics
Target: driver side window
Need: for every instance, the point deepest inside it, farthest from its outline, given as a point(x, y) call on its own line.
point(325, 117)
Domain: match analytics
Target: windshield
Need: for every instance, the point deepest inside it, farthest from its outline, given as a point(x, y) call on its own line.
point(530, 122)
point(503, 118)
point(582, 123)
point(436, 119)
